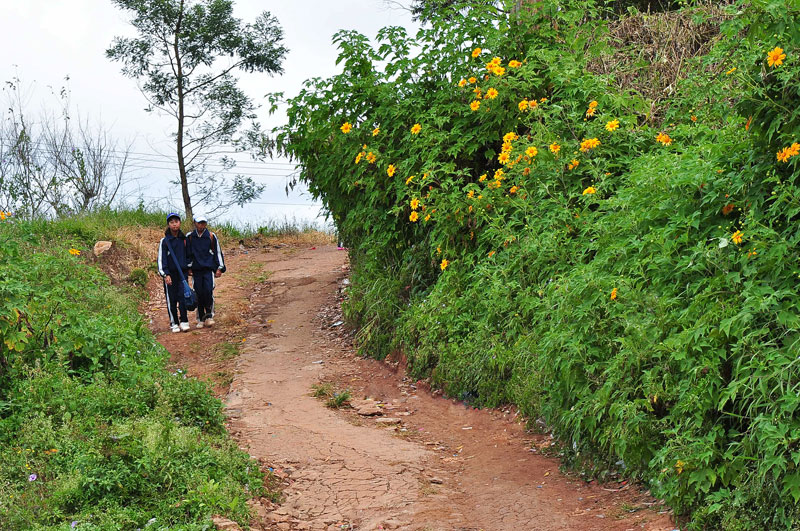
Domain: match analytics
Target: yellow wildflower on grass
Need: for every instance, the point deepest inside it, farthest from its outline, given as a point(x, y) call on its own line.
point(471, 194)
point(514, 63)
point(513, 189)
point(414, 216)
point(444, 264)
point(593, 104)
point(359, 157)
point(589, 191)
point(371, 158)
point(346, 127)
point(499, 71)
point(737, 237)
point(476, 52)
point(613, 294)
point(590, 112)
point(555, 148)
point(410, 179)
point(472, 80)
point(462, 82)
point(428, 217)
point(496, 61)
point(612, 126)
point(507, 147)
point(510, 136)
point(523, 105)
point(679, 466)
point(783, 155)
point(390, 170)
point(491, 253)
point(415, 129)
point(573, 164)
point(482, 178)
point(475, 105)
point(664, 139)
point(74, 252)
point(499, 175)
point(503, 158)
point(414, 204)
point(532, 151)
point(376, 131)
point(731, 71)
point(775, 57)
point(491, 93)
point(589, 143)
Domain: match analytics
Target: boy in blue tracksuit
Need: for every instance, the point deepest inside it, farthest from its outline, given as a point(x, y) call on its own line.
point(174, 241)
point(206, 263)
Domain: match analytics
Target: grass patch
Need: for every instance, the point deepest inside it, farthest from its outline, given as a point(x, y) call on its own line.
point(227, 350)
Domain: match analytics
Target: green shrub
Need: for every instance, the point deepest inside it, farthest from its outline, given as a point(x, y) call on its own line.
point(625, 269)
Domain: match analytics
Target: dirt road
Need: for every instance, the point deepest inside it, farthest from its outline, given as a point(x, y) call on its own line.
point(410, 460)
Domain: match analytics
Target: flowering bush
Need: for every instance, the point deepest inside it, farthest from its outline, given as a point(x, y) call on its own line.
point(625, 270)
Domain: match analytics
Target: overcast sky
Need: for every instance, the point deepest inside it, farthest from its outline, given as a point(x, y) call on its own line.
point(43, 41)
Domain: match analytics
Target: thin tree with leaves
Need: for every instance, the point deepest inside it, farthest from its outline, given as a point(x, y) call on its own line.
point(185, 56)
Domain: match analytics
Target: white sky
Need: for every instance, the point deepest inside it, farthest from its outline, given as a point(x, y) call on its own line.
point(43, 41)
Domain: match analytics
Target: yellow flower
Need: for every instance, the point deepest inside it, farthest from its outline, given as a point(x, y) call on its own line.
point(613, 294)
point(491, 93)
point(414, 216)
point(475, 105)
point(416, 129)
point(523, 105)
point(543, 100)
point(498, 174)
point(590, 111)
point(532, 151)
point(376, 131)
point(495, 62)
point(510, 137)
point(589, 143)
point(414, 204)
point(513, 189)
point(476, 52)
point(346, 127)
point(471, 194)
point(410, 179)
point(462, 82)
point(2, 216)
point(503, 158)
point(775, 57)
point(555, 148)
point(693, 118)
point(590, 190)
point(507, 147)
point(731, 71)
point(664, 139)
point(499, 71)
point(74, 252)
point(737, 237)
point(612, 126)
point(359, 157)
point(593, 104)
point(438, 250)
point(679, 466)
point(491, 253)
point(444, 264)
point(794, 149)
point(783, 155)
point(371, 157)
point(482, 178)
point(472, 80)
point(573, 164)
point(390, 170)
point(428, 217)
point(514, 63)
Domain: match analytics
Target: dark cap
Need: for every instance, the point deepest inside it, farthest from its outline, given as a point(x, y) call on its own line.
point(173, 215)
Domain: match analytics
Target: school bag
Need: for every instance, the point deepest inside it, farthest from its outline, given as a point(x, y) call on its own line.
point(189, 296)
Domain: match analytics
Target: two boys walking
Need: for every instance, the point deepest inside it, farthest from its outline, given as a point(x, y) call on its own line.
point(200, 256)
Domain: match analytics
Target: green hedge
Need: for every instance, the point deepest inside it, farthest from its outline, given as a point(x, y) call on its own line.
point(628, 272)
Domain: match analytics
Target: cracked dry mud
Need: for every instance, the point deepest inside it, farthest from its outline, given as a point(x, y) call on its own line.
point(445, 466)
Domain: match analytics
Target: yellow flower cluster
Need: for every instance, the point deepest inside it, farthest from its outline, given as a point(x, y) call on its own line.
point(371, 158)
point(592, 108)
point(737, 237)
point(4, 215)
point(788, 152)
point(664, 139)
point(573, 164)
point(494, 67)
point(514, 63)
point(589, 143)
point(346, 127)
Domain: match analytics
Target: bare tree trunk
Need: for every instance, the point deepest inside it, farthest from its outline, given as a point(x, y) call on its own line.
point(187, 201)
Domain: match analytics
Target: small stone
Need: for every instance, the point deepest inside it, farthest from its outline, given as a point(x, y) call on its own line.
point(386, 421)
point(101, 247)
point(224, 523)
point(437, 481)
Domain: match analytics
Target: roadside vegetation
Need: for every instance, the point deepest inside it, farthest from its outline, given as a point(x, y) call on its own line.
point(591, 214)
point(95, 431)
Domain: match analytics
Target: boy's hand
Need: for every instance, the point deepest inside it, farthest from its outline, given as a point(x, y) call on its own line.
point(217, 273)
point(168, 280)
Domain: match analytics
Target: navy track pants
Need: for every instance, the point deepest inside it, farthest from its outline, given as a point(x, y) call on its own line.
point(204, 287)
point(175, 305)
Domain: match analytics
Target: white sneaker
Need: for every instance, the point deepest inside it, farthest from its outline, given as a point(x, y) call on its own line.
point(210, 322)
point(175, 329)
point(200, 324)
point(185, 327)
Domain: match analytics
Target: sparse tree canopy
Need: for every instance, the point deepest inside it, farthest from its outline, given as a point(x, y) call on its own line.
point(185, 54)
